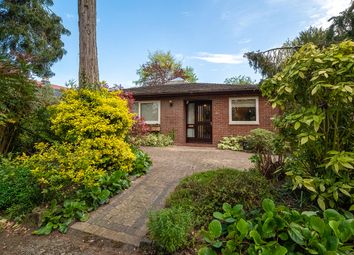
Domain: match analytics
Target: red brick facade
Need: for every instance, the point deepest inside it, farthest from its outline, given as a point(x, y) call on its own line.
point(173, 116)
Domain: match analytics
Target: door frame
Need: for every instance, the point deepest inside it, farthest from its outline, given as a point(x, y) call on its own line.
point(198, 140)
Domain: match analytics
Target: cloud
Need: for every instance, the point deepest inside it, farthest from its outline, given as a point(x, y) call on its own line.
point(69, 16)
point(326, 10)
point(220, 58)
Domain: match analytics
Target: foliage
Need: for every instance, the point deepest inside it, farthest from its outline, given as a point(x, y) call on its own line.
point(278, 230)
point(240, 80)
point(170, 228)
point(34, 127)
point(19, 192)
point(60, 215)
point(342, 27)
point(161, 68)
point(234, 143)
point(152, 139)
point(30, 34)
point(85, 114)
point(315, 92)
point(203, 193)
point(61, 169)
point(141, 163)
point(16, 101)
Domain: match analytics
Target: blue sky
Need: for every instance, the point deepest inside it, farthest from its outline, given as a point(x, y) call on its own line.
point(208, 35)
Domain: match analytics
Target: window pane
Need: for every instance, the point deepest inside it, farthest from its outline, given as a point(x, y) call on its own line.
point(136, 108)
point(149, 111)
point(191, 113)
point(244, 110)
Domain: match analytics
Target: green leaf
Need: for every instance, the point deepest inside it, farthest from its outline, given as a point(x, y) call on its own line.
point(215, 228)
point(296, 235)
point(297, 125)
point(351, 208)
point(45, 230)
point(318, 60)
point(243, 227)
point(317, 224)
point(345, 192)
point(268, 205)
point(304, 140)
point(256, 237)
point(280, 250)
point(218, 215)
point(321, 203)
point(206, 251)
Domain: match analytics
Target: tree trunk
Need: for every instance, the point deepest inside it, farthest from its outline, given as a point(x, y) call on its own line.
point(88, 70)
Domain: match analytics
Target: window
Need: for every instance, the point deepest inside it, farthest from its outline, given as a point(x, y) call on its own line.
point(243, 110)
point(148, 110)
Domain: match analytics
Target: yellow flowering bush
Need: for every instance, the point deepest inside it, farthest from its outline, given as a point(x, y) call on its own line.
point(92, 126)
point(83, 114)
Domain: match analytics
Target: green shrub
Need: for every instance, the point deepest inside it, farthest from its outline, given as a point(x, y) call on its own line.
point(153, 139)
point(314, 92)
point(142, 162)
point(278, 230)
point(19, 193)
point(170, 228)
point(203, 193)
point(234, 143)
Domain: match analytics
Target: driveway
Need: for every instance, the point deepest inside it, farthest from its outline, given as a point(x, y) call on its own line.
point(124, 218)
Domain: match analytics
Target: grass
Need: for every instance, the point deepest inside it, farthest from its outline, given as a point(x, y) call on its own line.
point(204, 193)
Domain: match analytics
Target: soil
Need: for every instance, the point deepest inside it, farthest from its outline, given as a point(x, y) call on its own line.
point(18, 240)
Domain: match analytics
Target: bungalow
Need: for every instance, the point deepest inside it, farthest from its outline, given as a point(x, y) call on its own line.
point(202, 113)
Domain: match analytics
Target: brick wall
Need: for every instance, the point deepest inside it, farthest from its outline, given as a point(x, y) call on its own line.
point(173, 116)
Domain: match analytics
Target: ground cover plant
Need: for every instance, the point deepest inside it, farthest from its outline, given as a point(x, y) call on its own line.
point(200, 194)
point(153, 139)
point(278, 230)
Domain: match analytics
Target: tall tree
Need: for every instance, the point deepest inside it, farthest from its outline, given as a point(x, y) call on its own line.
point(88, 70)
point(161, 68)
point(30, 35)
point(240, 80)
point(272, 61)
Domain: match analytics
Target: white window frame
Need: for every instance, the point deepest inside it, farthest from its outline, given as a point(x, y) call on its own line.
point(233, 122)
point(158, 112)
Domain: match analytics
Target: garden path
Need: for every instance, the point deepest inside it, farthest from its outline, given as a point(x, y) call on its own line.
point(124, 218)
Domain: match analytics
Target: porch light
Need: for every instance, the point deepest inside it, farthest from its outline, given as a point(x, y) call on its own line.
point(171, 103)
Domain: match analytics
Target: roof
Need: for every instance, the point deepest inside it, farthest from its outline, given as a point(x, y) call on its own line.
point(183, 89)
point(55, 87)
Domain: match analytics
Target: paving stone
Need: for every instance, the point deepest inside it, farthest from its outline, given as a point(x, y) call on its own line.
point(124, 218)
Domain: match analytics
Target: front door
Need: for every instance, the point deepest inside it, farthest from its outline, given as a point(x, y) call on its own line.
point(199, 122)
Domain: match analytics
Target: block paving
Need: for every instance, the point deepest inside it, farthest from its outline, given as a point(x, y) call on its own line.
point(124, 218)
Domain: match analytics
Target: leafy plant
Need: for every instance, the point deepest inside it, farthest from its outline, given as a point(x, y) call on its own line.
point(170, 228)
point(19, 192)
point(234, 143)
point(278, 230)
point(153, 139)
point(142, 162)
point(203, 193)
point(315, 92)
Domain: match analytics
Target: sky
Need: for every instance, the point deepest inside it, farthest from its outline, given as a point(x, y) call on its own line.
point(209, 35)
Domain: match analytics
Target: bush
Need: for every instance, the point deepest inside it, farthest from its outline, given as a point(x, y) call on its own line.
point(19, 193)
point(61, 169)
point(314, 92)
point(234, 143)
point(153, 139)
point(203, 193)
point(269, 151)
point(278, 230)
point(170, 228)
point(142, 162)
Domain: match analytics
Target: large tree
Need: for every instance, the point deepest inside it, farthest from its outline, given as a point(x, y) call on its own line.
point(88, 70)
point(240, 80)
point(30, 35)
point(161, 68)
point(272, 61)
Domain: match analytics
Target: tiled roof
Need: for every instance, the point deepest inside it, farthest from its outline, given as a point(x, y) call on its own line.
point(191, 89)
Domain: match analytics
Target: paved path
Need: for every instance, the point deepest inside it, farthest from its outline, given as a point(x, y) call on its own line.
point(124, 218)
